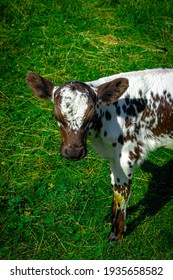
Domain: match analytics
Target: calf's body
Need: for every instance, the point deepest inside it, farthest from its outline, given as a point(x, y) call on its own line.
point(125, 115)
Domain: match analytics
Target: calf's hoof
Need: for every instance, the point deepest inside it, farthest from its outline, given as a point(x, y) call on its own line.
point(113, 237)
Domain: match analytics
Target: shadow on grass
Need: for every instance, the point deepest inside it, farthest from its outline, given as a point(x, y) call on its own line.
point(160, 192)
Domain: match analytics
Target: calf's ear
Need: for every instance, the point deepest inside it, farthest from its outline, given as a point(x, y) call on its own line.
point(111, 91)
point(41, 87)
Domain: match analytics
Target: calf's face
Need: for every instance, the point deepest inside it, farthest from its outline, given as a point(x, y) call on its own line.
point(74, 108)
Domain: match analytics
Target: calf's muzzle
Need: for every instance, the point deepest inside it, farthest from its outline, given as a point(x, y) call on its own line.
point(73, 152)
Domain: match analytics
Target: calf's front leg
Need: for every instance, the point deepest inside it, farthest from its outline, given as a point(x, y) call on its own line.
point(120, 180)
point(120, 199)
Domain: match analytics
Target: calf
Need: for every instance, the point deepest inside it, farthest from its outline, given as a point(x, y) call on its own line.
point(125, 115)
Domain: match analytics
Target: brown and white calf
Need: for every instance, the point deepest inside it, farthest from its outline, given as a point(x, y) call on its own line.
point(125, 115)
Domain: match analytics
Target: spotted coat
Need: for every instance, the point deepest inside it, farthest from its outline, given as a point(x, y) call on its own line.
point(125, 115)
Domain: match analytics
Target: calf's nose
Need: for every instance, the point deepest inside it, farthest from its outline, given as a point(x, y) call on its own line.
point(73, 153)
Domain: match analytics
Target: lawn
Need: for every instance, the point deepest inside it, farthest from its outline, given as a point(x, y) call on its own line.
point(52, 208)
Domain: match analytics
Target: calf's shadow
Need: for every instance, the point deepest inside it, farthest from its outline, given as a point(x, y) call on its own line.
point(160, 192)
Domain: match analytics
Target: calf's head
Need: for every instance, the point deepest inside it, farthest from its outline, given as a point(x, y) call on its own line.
point(74, 108)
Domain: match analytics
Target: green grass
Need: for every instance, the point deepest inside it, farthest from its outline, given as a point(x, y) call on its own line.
point(52, 208)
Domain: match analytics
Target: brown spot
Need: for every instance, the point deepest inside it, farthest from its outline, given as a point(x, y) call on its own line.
point(128, 122)
point(159, 111)
point(136, 154)
point(130, 164)
point(129, 137)
point(124, 190)
point(165, 117)
point(131, 156)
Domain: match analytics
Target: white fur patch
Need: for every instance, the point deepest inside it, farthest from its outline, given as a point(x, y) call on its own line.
point(73, 107)
point(53, 92)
